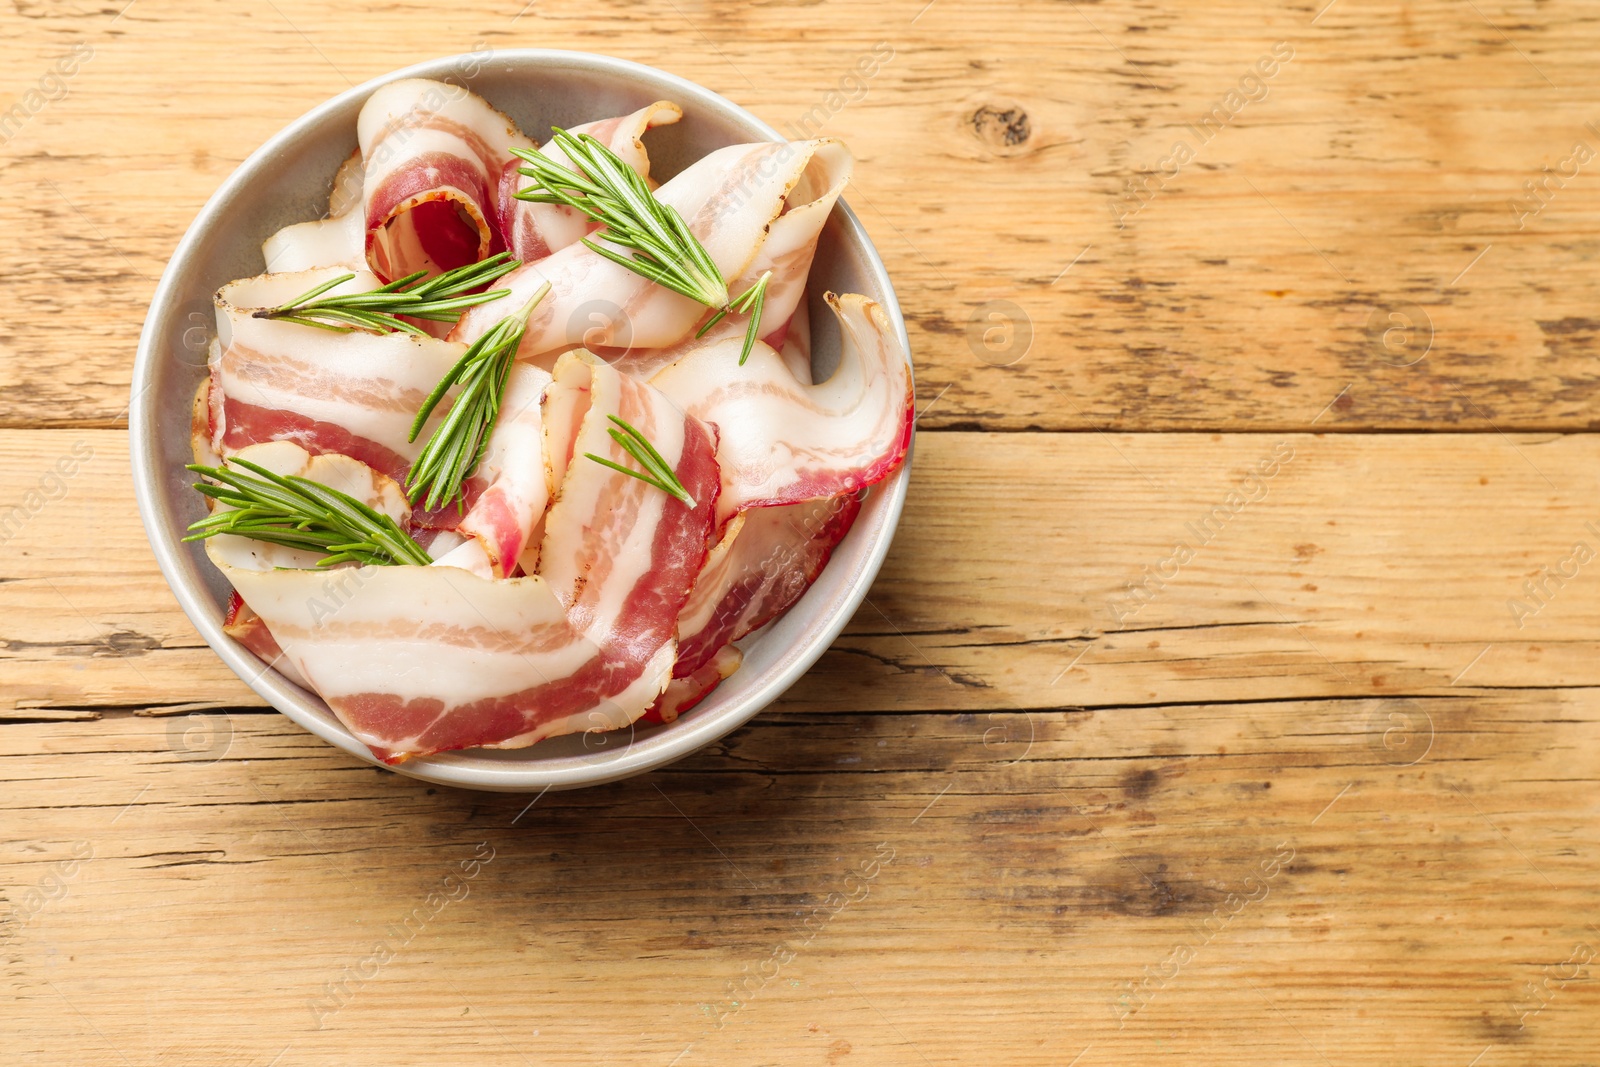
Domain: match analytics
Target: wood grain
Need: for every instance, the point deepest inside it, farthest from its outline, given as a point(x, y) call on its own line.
point(1367, 565)
point(1252, 288)
point(1021, 888)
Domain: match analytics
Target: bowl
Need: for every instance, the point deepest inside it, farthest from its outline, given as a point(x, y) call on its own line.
point(287, 180)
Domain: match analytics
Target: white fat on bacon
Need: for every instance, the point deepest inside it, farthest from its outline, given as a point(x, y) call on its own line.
point(433, 155)
point(603, 536)
point(730, 199)
point(796, 346)
point(357, 394)
point(791, 240)
point(783, 441)
point(353, 393)
point(532, 231)
point(416, 660)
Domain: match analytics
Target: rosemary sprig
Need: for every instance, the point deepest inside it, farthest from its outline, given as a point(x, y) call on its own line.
point(751, 301)
point(612, 193)
point(299, 513)
point(657, 471)
point(458, 445)
point(441, 298)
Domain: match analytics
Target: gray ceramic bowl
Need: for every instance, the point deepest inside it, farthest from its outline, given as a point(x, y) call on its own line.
point(287, 180)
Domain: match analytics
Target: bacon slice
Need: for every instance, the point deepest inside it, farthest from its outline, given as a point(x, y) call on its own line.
point(416, 660)
point(781, 441)
point(356, 394)
point(246, 627)
point(729, 199)
point(684, 693)
point(433, 157)
point(791, 242)
point(533, 231)
point(766, 560)
point(609, 539)
point(351, 393)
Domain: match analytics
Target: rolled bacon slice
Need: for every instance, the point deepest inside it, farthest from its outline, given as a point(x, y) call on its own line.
point(417, 660)
point(433, 155)
point(791, 243)
point(782, 441)
point(729, 199)
point(533, 231)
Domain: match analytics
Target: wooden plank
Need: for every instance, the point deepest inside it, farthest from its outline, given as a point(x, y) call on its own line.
point(1321, 239)
point(1365, 565)
point(1128, 882)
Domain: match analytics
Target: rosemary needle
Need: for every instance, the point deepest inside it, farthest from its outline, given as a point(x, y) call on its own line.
point(752, 300)
point(613, 194)
point(458, 445)
point(441, 298)
point(299, 513)
point(657, 471)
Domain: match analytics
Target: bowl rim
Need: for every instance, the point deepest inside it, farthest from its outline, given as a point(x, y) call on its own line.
point(683, 737)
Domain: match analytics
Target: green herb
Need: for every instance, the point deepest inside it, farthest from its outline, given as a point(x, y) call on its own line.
point(299, 513)
point(458, 445)
point(613, 194)
point(441, 298)
point(657, 471)
point(752, 300)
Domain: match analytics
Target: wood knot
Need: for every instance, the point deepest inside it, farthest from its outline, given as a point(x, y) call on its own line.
point(1004, 128)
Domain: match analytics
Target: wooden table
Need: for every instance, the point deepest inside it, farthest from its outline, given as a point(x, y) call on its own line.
point(1229, 695)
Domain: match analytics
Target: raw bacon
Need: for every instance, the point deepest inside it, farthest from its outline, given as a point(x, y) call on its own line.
point(416, 660)
point(433, 155)
point(533, 231)
point(783, 441)
point(767, 558)
point(610, 539)
point(351, 393)
point(357, 394)
point(729, 199)
point(563, 595)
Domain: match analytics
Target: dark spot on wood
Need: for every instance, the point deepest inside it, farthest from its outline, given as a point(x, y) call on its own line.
point(1139, 784)
point(1564, 327)
point(1001, 127)
point(937, 323)
point(1143, 888)
point(1500, 1031)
